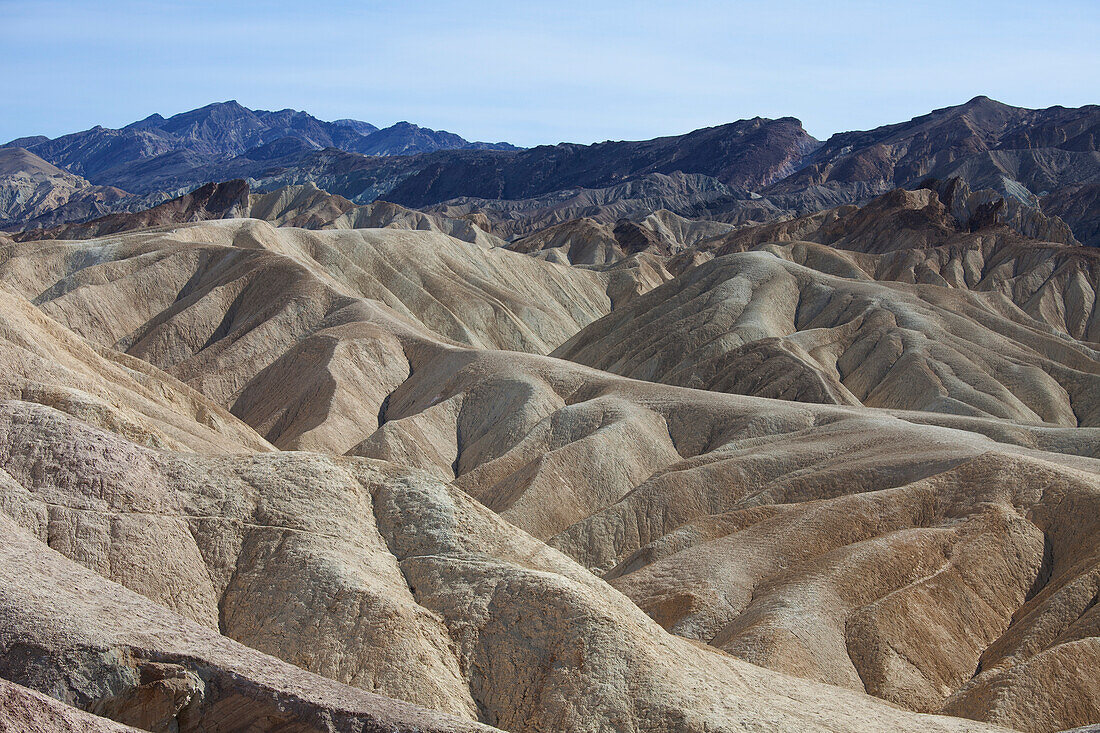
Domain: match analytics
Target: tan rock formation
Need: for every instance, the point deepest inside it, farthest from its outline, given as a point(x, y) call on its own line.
point(511, 629)
point(309, 207)
point(754, 323)
point(238, 309)
point(94, 644)
point(944, 562)
point(42, 361)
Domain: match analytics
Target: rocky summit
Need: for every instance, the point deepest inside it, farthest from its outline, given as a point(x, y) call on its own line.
point(310, 427)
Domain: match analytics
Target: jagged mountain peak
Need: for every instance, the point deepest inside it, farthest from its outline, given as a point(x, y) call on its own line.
point(218, 132)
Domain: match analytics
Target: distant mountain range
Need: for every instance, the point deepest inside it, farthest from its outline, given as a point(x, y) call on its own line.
point(1018, 152)
point(218, 132)
point(750, 170)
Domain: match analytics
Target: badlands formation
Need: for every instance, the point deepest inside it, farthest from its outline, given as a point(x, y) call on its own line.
point(276, 459)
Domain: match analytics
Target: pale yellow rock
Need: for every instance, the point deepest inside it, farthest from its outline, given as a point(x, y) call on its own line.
point(42, 361)
point(943, 562)
point(463, 603)
point(753, 323)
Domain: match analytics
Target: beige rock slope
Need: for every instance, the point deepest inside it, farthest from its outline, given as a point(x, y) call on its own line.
point(939, 561)
point(304, 206)
point(622, 475)
point(382, 578)
point(757, 323)
point(308, 207)
point(931, 237)
point(42, 361)
point(280, 326)
point(587, 241)
point(483, 297)
point(581, 241)
point(893, 305)
point(95, 645)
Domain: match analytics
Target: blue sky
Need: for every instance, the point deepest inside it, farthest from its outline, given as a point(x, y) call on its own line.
point(533, 73)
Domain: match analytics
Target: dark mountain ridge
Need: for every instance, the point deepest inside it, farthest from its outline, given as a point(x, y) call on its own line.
point(219, 132)
point(1030, 156)
point(747, 154)
point(1034, 148)
point(742, 155)
point(1040, 158)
